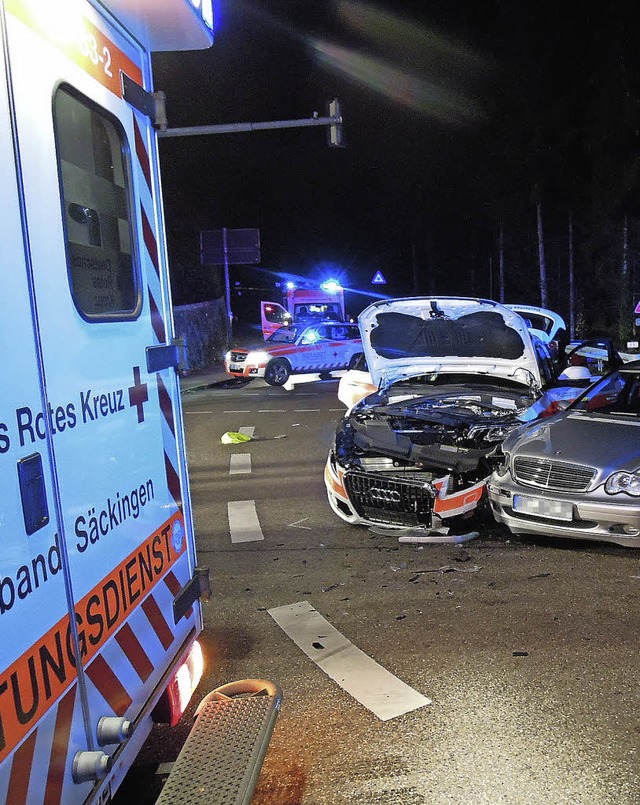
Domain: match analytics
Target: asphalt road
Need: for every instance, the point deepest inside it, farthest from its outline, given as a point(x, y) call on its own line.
point(527, 649)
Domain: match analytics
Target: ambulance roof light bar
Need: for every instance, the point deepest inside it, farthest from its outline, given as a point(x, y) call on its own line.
point(166, 24)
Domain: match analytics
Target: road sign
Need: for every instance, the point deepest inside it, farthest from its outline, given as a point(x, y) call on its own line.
point(378, 279)
point(234, 247)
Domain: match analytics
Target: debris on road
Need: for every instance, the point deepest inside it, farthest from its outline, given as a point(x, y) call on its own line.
point(234, 437)
point(436, 538)
point(452, 569)
point(297, 524)
point(390, 531)
point(418, 536)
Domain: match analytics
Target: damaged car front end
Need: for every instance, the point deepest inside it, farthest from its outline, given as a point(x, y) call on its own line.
point(454, 375)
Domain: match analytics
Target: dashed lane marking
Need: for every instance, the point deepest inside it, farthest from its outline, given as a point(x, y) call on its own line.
point(239, 463)
point(243, 521)
point(357, 673)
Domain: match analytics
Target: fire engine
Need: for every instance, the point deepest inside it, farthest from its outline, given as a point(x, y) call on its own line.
point(100, 590)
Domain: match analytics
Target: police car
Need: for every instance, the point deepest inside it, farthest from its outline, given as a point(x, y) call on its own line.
point(297, 349)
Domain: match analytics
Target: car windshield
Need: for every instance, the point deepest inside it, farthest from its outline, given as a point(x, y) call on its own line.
point(284, 335)
point(538, 322)
point(619, 393)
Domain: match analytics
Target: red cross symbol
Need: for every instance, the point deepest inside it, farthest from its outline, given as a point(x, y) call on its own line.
point(138, 393)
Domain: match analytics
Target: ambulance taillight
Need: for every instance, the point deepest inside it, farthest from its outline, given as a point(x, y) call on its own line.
point(179, 691)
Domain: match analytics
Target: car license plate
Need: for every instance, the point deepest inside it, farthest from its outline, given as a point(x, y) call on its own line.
point(235, 367)
point(541, 507)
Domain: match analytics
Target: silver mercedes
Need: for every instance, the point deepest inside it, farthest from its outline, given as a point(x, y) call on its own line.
point(576, 474)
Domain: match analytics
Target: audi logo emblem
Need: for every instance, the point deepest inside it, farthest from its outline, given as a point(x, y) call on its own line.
point(384, 495)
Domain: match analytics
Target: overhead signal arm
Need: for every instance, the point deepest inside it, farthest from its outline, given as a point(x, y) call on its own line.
point(333, 121)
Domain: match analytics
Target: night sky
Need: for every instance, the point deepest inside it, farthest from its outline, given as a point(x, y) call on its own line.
point(454, 112)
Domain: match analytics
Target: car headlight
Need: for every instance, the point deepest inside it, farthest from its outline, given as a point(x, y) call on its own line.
point(628, 482)
point(258, 357)
point(343, 443)
point(489, 433)
point(503, 467)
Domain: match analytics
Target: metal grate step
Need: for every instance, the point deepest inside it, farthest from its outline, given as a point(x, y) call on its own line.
point(221, 759)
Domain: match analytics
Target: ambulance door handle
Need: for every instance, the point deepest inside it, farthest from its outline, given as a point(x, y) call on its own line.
point(165, 356)
point(89, 218)
point(33, 493)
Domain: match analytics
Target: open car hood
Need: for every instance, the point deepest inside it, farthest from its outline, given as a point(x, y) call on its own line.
point(404, 338)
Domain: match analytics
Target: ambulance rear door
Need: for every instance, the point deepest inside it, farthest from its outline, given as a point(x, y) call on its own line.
point(111, 397)
point(273, 316)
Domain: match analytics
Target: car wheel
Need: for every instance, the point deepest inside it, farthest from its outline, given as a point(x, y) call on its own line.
point(277, 372)
point(354, 360)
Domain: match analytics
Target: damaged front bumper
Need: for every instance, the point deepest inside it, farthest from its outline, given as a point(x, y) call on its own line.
point(387, 499)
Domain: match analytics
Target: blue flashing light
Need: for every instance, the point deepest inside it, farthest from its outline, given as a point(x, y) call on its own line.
point(206, 11)
point(291, 286)
point(312, 336)
point(331, 286)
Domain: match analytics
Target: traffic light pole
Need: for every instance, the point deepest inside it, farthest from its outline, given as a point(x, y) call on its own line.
point(333, 121)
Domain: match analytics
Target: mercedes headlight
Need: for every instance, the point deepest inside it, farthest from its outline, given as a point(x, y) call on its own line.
point(490, 433)
point(628, 482)
point(503, 467)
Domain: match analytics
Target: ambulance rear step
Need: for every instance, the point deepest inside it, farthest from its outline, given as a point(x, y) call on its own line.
point(221, 759)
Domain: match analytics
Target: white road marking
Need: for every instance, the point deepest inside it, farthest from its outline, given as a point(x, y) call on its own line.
point(306, 410)
point(237, 412)
point(362, 677)
point(190, 413)
point(243, 521)
point(239, 463)
point(297, 524)
point(272, 410)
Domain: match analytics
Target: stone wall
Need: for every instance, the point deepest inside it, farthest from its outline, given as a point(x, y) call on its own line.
point(203, 327)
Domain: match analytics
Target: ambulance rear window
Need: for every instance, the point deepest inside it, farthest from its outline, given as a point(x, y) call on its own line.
point(96, 193)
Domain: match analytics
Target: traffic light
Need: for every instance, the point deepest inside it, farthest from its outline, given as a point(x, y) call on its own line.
point(335, 137)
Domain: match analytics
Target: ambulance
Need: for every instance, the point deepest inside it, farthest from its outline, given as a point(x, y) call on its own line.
point(304, 304)
point(100, 590)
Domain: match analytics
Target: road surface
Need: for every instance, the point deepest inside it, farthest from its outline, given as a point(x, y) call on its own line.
point(527, 649)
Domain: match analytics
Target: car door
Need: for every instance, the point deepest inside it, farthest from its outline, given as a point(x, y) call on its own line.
point(311, 353)
point(597, 354)
point(343, 346)
point(272, 317)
